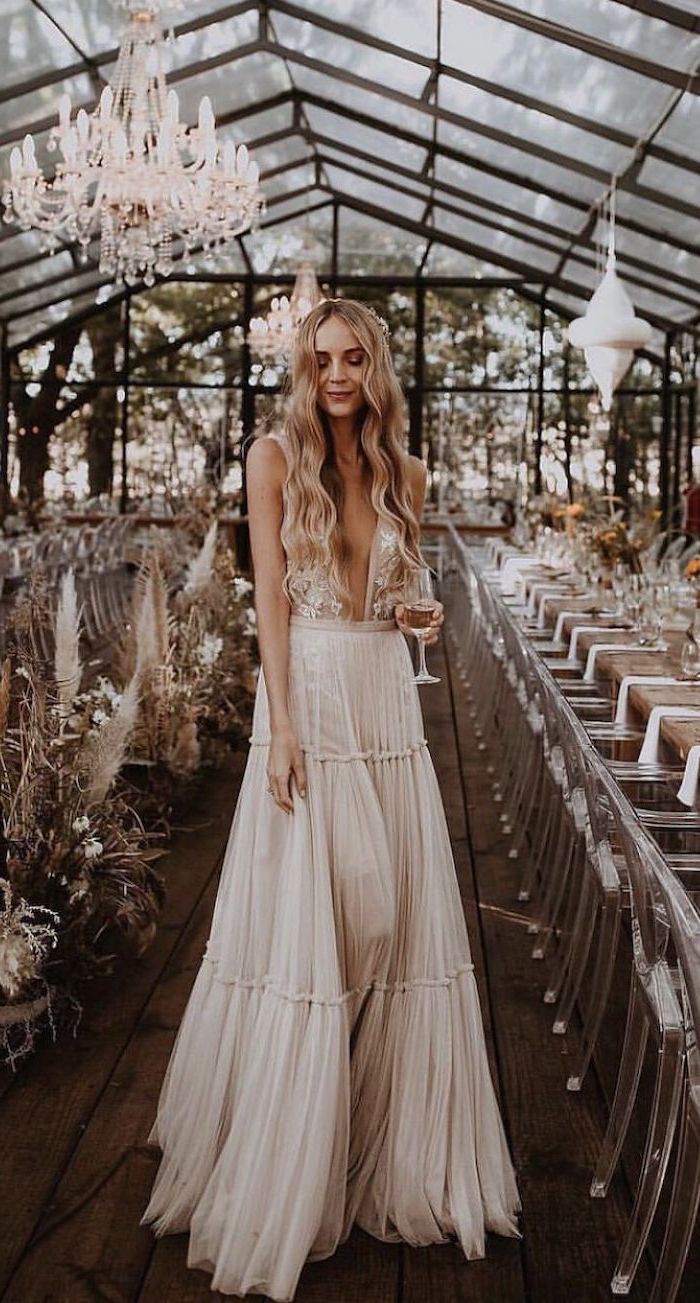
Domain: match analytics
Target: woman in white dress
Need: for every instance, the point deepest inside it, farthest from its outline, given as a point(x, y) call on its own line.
point(330, 1067)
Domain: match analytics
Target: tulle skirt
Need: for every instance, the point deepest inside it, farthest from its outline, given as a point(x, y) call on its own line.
point(330, 1067)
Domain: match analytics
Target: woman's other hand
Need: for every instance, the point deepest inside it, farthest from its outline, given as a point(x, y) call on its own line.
point(285, 764)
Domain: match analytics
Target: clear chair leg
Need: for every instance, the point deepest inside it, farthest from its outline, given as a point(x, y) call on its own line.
point(662, 1126)
point(608, 936)
point(634, 1045)
point(561, 873)
point(683, 1210)
point(574, 948)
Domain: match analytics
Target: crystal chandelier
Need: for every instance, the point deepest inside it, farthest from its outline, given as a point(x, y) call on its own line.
point(272, 336)
point(134, 171)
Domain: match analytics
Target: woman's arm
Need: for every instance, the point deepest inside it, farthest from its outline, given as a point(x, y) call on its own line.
point(265, 476)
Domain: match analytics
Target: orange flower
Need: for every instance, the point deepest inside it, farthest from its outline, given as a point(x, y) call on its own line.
point(693, 568)
point(575, 510)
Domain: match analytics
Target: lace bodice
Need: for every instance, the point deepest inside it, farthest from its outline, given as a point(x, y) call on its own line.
point(311, 591)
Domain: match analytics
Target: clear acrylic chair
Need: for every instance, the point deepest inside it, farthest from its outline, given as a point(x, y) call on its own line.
point(653, 1010)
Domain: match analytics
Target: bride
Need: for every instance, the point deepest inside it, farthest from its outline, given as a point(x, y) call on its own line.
point(330, 1067)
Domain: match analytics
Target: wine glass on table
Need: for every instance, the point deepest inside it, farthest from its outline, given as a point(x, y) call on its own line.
point(419, 606)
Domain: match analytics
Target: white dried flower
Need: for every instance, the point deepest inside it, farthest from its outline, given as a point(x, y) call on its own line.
point(23, 672)
point(18, 964)
point(209, 650)
point(99, 717)
point(81, 824)
point(92, 848)
point(241, 586)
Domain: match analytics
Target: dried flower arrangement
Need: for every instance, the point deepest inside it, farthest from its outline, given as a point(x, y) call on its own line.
point(78, 876)
point(193, 654)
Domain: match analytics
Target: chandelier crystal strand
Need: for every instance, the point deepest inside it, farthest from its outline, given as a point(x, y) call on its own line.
point(271, 337)
point(134, 172)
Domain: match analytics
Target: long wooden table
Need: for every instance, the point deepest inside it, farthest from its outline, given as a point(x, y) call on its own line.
point(679, 734)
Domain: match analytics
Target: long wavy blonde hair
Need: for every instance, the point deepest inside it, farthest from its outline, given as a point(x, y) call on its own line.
point(312, 530)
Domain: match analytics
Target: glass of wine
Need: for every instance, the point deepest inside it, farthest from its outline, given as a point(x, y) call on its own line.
point(419, 604)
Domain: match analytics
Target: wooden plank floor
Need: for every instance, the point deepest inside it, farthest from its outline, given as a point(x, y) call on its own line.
point(74, 1121)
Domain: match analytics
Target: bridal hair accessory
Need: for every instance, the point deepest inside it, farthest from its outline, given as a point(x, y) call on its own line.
point(383, 325)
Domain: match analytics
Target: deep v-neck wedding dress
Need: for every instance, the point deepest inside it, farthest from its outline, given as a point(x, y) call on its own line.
point(330, 1067)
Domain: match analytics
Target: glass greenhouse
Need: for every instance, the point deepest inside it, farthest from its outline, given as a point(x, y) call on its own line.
point(451, 161)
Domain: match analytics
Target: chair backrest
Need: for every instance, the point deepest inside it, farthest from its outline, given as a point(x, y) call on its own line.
point(646, 867)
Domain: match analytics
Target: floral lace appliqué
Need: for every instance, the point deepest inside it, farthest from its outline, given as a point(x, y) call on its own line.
point(312, 595)
point(387, 587)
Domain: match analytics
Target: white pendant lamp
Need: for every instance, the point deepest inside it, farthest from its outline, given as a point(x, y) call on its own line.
point(609, 332)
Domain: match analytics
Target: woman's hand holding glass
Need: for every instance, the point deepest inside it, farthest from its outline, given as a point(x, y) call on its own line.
point(420, 614)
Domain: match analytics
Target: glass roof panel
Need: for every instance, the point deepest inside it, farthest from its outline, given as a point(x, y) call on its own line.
point(495, 245)
point(289, 150)
point(346, 131)
point(34, 322)
point(508, 193)
point(16, 244)
point(279, 248)
point(280, 207)
point(370, 247)
point(504, 53)
point(443, 261)
point(339, 52)
point(372, 192)
point(377, 106)
point(25, 303)
point(623, 27)
point(528, 124)
point(34, 274)
point(207, 42)
point(98, 26)
point(296, 177)
point(231, 86)
point(682, 130)
point(656, 255)
point(19, 112)
point(29, 42)
point(669, 179)
point(683, 225)
point(376, 172)
point(564, 179)
point(403, 22)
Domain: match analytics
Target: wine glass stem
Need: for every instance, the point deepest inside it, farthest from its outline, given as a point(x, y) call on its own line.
point(423, 668)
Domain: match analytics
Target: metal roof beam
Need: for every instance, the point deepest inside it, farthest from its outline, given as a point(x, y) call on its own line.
point(666, 13)
point(448, 151)
point(591, 45)
point(466, 246)
point(395, 170)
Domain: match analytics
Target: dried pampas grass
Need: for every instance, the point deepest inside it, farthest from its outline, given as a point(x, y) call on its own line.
point(108, 752)
point(67, 667)
point(200, 570)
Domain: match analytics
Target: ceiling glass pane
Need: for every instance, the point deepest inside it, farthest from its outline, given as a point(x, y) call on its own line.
point(376, 65)
point(281, 206)
point(97, 26)
point(562, 179)
point(510, 56)
point(49, 317)
point(682, 130)
point(20, 245)
point(656, 255)
point(657, 218)
point(281, 152)
point(370, 247)
point(443, 261)
point(35, 274)
point(29, 41)
point(377, 106)
point(208, 42)
point(621, 26)
point(23, 304)
point(528, 124)
point(346, 131)
point(670, 180)
point(278, 249)
point(416, 185)
point(410, 23)
point(372, 192)
point(509, 194)
point(495, 245)
point(233, 85)
point(303, 175)
point(18, 113)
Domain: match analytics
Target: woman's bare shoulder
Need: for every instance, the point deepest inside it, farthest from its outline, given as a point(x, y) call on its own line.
point(267, 456)
point(416, 471)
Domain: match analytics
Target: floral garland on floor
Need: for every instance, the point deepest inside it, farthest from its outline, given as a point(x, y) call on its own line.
point(80, 837)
